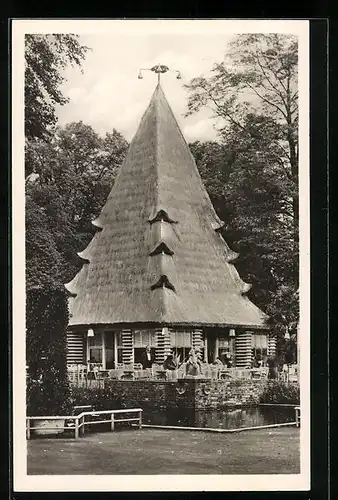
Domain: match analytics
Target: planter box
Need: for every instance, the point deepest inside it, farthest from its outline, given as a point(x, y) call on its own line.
point(48, 427)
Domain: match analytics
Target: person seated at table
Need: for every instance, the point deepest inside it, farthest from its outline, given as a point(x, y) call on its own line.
point(218, 362)
point(147, 359)
point(255, 362)
point(170, 363)
point(193, 365)
point(273, 367)
point(93, 365)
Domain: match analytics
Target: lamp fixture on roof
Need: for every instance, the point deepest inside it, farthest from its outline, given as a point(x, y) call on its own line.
point(90, 332)
point(159, 68)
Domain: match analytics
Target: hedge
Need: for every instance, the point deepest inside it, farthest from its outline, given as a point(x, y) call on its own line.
point(48, 391)
point(281, 392)
point(100, 399)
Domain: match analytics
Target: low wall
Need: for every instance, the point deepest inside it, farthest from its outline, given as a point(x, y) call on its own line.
point(187, 393)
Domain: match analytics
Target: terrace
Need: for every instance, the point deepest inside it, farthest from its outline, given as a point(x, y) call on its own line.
point(91, 375)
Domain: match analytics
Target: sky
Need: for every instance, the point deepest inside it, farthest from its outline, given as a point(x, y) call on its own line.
point(108, 94)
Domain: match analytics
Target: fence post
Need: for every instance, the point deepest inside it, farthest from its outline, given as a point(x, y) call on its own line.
point(76, 427)
point(112, 421)
point(28, 423)
point(140, 420)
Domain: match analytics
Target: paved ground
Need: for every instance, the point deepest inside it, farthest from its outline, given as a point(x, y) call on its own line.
point(157, 451)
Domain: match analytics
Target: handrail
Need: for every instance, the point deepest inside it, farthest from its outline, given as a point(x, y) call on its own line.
point(80, 425)
point(72, 417)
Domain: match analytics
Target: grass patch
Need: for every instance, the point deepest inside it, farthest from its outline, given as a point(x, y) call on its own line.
point(155, 451)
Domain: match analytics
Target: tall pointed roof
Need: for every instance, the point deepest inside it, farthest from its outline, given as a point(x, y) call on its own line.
point(158, 257)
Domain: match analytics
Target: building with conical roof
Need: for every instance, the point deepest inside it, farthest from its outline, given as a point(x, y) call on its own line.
point(158, 272)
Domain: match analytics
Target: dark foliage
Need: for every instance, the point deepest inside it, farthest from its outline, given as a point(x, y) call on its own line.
point(71, 176)
point(46, 56)
point(48, 390)
point(281, 393)
point(99, 399)
point(252, 172)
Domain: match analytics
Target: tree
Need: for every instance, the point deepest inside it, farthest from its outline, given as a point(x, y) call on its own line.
point(253, 94)
point(74, 172)
point(252, 202)
point(46, 56)
point(214, 164)
point(43, 259)
point(259, 75)
point(48, 391)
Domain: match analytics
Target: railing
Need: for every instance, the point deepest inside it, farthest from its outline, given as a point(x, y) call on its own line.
point(297, 410)
point(95, 378)
point(80, 420)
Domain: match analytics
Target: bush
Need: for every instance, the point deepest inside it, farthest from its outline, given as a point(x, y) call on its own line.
point(100, 399)
point(48, 391)
point(279, 392)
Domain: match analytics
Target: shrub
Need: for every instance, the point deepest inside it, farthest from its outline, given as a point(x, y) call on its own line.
point(48, 391)
point(280, 392)
point(100, 399)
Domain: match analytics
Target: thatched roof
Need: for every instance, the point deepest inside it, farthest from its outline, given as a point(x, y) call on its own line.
point(158, 256)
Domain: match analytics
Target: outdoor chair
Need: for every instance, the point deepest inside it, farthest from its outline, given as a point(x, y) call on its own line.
point(224, 373)
point(102, 374)
point(155, 368)
point(172, 375)
point(141, 374)
point(181, 371)
point(158, 372)
point(205, 371)
point(114, 374)
point(256, 373)
point(128, 372)
point(76, 372)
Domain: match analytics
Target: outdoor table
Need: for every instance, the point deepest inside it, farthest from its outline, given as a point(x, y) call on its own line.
point(128, 374)
point(162, 374)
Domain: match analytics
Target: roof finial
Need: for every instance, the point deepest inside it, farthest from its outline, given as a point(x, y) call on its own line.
point(159, 68)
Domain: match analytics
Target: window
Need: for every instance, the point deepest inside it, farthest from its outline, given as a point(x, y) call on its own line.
point(181, 343)
point(95, 348)
point(223, 342)
point(226, 349)
point(259, 348)
point(109, 350)
point(142, 338)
